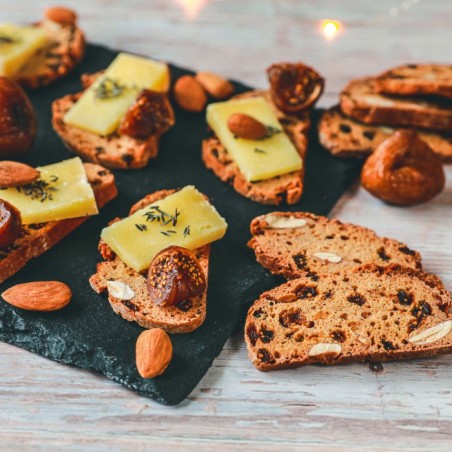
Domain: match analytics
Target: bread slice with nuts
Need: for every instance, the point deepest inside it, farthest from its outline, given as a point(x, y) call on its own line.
point(361, 100)
point(369, 313)
point(64, 50)
point(36, 239)
point(286, 188)
point(135, 305)
point(117, 151)
point(417, 79)
point(303, 244)
point(344, 137)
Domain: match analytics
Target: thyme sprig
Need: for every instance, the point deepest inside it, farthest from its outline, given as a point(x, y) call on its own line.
point(259, 151)
point(270, 132)
point(39, 190)
point(156, 214)
point(5, 39)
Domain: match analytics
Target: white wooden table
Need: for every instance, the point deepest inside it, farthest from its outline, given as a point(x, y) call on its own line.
point(408, 405)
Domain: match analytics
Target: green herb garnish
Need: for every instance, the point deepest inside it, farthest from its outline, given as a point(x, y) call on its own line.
point(186, 231)
point(270, 132)
point(39, 190)
point(259, 151)
point(5, 39)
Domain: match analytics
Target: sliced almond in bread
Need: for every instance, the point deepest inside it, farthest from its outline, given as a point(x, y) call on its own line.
point(417, 79)
point(369, 313)
point(361, 100)
point(64, 50)
point(129, 296)
point(113, 151)
point(299, 244)
point(286, 188)
point(344, 137)
point(36, 239)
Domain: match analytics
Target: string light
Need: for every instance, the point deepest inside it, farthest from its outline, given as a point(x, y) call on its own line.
point(192, 8)
point(330, 28)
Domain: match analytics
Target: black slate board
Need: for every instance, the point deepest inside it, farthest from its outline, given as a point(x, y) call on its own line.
point(87, 333)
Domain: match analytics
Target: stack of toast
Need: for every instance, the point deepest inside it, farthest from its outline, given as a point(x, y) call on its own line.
point(372, 108)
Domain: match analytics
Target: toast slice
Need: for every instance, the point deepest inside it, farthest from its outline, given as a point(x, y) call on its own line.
point(286, 188)
point(300, 244)
point(370, 313)
point(417, 79)
point(344, 137)
point(36, 239)
point(113, 151)
point(181, 318)
point(64, 50)
point(361, 100)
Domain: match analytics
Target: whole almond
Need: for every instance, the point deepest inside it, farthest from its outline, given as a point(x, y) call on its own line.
point(153, 352)
point(61, 15)
point(189, 94)
point(15, 174)
point(39, 295)
point(246, 127)
point(215, 85)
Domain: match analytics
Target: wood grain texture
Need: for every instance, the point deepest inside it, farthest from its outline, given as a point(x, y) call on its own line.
point(407, 406)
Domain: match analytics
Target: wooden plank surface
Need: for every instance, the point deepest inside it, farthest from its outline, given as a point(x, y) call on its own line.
point(407, 406)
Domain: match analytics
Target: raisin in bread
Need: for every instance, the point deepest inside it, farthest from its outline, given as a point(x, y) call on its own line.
point(361, 100)
point(344, 137)
point(65, 49)
point(370, 313)
point(417, 79)
point(181, 318)
point(299, 244)
point(286, 188)
point(36, 239)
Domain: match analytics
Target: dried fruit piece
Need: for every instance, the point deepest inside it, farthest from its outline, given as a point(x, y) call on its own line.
point(15, 174)
point(330, 257)
point(279, 222)
point(61, 15)
point(215, 85)
point(294, 86)
point(246, 127)
point(10, 224)
point(17, 119)
point(150, 114)
point(323, 349)
point(39, 295)
point(153, 352)
point(189, 94)
point(120, 290)
point(175, 275)
point(433, 334)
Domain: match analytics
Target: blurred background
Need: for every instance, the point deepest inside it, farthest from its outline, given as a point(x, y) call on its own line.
point(240, 38)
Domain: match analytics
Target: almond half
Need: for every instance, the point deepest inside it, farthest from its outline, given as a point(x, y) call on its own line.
point(246, 127)
point(61, 15)
point(39, 295)
point(189, 94)
point(15, 174)
point(215, 85)
point(153, 352)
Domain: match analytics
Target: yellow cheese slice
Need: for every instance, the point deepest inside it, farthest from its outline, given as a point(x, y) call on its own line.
point(191, 222)
point(17, 44)
point(256, 159)
point(102, 115)
point(63, 191)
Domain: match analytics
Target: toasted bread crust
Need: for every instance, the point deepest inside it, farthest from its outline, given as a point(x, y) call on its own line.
point(369, 313)
point(344, 137)
point(417, 79)
point(285, 188)
point(290, 252)
point(361, 100)
point(64, 50)
point(173, 319)
point(38, 238)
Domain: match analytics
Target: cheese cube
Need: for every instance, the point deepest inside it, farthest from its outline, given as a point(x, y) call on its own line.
point(184, 218)
point(129, 74)
point(17, 44)
point(256, 159)
point(63, 191)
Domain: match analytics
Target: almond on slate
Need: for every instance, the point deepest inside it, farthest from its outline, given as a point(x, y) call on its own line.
point(246, 127)
point(153, 352)
point(189, 94)
point(39, 295)
point(61, 15)
point(15, 174)
point(217, 86)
